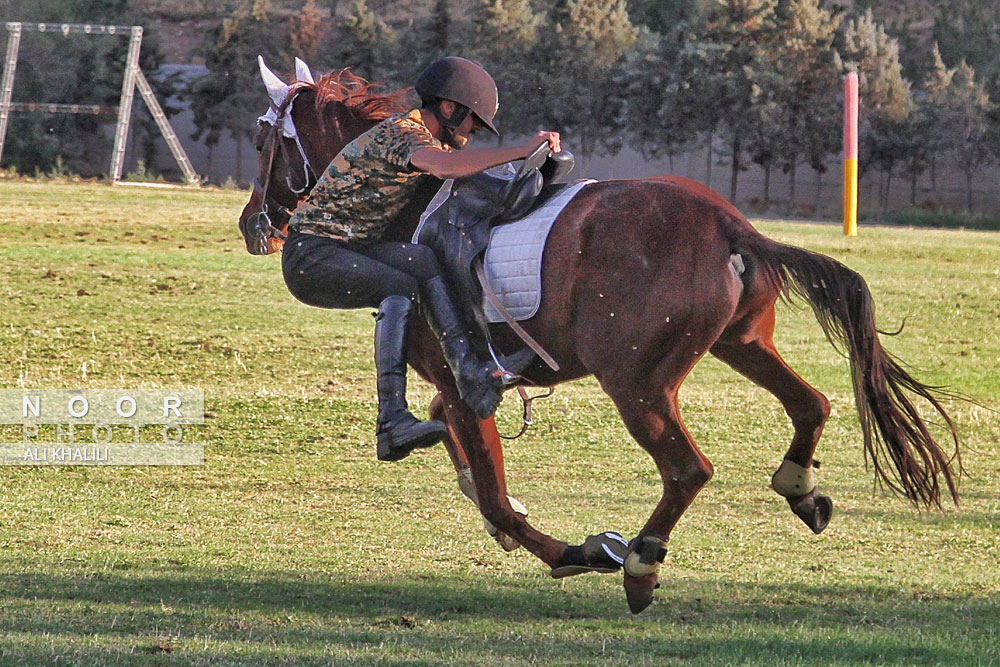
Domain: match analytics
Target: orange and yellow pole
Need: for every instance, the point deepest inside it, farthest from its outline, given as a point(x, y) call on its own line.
point(851, 154)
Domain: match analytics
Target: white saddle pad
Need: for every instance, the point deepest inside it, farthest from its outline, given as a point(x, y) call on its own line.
point(513, 259)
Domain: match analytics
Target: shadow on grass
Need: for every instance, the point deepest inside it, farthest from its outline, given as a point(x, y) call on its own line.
point(248, 618)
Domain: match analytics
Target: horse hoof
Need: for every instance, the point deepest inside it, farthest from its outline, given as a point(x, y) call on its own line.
point(814, 509)
point(639, 591)
point(506, 542)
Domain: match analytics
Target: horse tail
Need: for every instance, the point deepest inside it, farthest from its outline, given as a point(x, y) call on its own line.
point(890, 421)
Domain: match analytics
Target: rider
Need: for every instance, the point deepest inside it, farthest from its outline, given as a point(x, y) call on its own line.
point(335, 256)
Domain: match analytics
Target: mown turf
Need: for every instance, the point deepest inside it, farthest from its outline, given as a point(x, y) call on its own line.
point(294, 545)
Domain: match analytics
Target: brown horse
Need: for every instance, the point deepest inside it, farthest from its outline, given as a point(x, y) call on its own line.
point(684, 274)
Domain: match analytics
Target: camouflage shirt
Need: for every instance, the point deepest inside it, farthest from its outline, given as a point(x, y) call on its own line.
point(369, 182)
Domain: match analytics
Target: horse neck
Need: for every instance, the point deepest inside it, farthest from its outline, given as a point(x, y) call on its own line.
point(325, 134)
point(406, 222)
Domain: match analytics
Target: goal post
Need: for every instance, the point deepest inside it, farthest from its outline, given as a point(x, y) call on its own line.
point(133, 78)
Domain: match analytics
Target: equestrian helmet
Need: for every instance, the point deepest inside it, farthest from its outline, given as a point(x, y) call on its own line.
point(462, 81)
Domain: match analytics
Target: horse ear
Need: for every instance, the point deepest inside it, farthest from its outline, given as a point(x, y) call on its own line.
point(302, 72)
point(276, 88)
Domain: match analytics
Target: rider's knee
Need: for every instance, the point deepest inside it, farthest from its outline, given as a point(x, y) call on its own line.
point(425, 264)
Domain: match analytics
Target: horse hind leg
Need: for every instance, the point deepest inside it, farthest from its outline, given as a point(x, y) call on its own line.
point(758, 359)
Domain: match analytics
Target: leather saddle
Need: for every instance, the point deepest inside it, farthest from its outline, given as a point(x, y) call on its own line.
point(459, 229)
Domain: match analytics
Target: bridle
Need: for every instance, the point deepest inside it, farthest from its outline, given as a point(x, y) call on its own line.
point(260, 227)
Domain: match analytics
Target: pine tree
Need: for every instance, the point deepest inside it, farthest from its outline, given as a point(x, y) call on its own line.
point(805, 77)
point(969, 30)
point(367, 44)
point(308, 28)
point(506, 34)
point(663, 118)
point(932, 110)
point(78, 69)
point(733, 71)
point(230, 97)
point(586, 41)
point(439, 38)
point(662, 16)
point(967, 112)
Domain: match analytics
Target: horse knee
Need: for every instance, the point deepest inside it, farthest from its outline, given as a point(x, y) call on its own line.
point(437, 408)
point(501, 517)
point(695, 474)
point(703, 472)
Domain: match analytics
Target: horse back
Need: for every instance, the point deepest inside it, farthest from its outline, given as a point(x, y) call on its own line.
point(630, 263)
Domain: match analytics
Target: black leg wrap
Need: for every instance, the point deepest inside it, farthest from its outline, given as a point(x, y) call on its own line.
point(603, 553)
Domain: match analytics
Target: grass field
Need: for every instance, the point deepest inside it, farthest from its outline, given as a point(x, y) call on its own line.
point(294, 545)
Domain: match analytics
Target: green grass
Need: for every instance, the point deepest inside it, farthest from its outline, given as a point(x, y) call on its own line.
point(917, 217)
point(294, 545)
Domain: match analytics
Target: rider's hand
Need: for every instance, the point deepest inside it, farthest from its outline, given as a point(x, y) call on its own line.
point(541, 137)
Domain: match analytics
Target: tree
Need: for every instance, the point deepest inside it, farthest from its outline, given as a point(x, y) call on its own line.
point(308, 30)
point(969, 30)
point(506, 42)
point(230, 97)
point(805, 80)
point(966, 116)
point(735, 76)
point(931, 106)
point(367, 44)
point(585, 43)
point(662, 16)
point(663, 113)
point(440, 30)
point(76, 69)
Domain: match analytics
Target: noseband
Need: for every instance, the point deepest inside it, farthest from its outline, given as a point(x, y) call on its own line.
point(259, 228)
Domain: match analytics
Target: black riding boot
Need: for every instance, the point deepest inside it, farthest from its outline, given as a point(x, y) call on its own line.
point(479, 382)
point(399, 432)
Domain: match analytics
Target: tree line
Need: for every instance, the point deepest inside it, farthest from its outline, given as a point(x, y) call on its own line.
point(758, 81)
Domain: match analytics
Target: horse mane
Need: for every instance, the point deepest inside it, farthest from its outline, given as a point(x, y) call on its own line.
point(363, 98)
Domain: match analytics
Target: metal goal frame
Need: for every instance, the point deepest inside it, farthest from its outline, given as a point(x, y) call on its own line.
point(133, 77)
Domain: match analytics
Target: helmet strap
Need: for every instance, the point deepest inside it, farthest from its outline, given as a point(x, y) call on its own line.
point(449, 125)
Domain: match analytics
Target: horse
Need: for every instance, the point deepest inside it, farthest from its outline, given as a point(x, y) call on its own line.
point(682, 276)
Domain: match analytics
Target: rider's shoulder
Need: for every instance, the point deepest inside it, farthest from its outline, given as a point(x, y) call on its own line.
point(405, 128)
point(406, 121)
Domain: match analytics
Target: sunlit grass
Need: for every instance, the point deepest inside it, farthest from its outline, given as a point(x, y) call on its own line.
point(293, 544)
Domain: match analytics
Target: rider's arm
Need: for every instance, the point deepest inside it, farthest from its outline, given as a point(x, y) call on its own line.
point(458, 164)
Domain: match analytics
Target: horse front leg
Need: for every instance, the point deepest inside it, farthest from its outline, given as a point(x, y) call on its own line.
point(480, 443)
point(463, 470)
point(480, 447)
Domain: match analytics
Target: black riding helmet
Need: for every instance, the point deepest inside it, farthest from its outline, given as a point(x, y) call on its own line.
point(461, 81)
